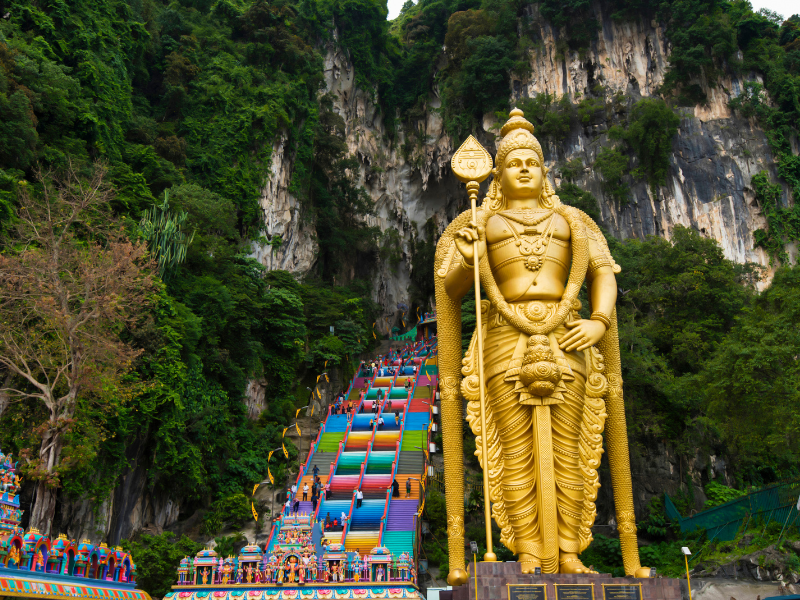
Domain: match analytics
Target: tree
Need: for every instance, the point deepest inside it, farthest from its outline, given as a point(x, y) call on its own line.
point(71, 283)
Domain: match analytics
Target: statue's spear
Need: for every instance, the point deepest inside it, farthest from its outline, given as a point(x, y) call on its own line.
point(472, 164)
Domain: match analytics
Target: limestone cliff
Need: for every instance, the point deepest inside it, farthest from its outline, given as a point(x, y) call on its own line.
point(715, 155)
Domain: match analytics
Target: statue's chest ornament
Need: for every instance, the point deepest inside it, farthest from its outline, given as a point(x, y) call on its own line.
point(533, 242)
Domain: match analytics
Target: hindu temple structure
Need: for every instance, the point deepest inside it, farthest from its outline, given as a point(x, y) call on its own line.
point(340, 546)
point(33, 565)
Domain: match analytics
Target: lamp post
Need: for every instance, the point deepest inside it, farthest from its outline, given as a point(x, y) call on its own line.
point(686, 554)
point(474, 547)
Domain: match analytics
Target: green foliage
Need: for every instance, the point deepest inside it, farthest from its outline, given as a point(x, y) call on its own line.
point(391, 249)
point(571, 194)
point(230, 545)
point(754, 367)
point(551, 117)
point(233, 510)
point(423, 252)
point(651, 127)
point(591, 110)
point(572, 169)
point(164, 235)
point(613, 166)
point(718, 493)
point(783, 223)
point(678, 300)
point(156, 557)
point(604, 555)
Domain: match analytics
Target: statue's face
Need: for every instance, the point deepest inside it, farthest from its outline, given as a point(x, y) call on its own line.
point(522, 175)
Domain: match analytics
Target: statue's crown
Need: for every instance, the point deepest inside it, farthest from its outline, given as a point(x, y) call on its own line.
point(517, 120)
point(517, 133)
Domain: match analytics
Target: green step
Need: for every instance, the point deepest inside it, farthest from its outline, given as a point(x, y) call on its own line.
point(329, 442)
point(414, 440)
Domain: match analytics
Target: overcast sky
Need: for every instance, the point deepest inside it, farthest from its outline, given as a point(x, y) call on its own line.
point(782, 7)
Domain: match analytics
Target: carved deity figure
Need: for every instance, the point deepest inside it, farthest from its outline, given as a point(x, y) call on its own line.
point(550, 376)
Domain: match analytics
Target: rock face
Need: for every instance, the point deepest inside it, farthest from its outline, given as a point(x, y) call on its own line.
point(715, 155)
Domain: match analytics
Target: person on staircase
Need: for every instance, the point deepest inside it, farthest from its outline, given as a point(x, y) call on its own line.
point(408, 487)
point(305, 492)
point(359, 498)
point(395, 489)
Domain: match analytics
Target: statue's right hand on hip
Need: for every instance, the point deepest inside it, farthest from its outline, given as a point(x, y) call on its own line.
point(465, 239)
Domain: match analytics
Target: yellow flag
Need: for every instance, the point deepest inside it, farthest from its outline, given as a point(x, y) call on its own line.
point(269, 457)
point(285, 429)
point(318, 376)
point(271, 478)
point(255, 487)
point(318, 394)
point(312, 410)
point(285, 452)
point(326, 378)
point(253, 508)
point(373, 331)
point(297, 413)
point(298, 428)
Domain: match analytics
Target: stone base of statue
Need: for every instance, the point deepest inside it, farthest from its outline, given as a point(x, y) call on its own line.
point(505, 581)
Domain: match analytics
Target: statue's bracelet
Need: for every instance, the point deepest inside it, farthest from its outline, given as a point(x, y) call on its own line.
point(465, 265)
point(602, 317)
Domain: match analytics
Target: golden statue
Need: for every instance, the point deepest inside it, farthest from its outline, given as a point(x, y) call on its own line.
point(548, 379)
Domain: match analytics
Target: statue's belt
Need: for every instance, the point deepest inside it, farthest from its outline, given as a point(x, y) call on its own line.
point(533, 310)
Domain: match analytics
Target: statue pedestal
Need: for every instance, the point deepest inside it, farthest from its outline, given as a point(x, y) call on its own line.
point(494, 580)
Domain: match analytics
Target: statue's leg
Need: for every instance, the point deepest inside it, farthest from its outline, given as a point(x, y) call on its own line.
point(514, 423)
point(566, 423)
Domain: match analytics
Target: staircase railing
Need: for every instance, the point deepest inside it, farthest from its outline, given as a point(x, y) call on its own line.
point(346, 527)
point(385, 515)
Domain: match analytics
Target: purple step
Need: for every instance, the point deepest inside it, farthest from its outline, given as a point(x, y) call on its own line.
point(401, 515)
point(305, 507)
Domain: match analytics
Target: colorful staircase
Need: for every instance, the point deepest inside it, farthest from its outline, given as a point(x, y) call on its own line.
point(353, 453)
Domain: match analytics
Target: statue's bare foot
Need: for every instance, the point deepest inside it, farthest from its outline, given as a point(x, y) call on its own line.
point(571, 564)
point(528, 562)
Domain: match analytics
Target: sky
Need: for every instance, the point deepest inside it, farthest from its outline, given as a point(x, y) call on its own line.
point(783, 7)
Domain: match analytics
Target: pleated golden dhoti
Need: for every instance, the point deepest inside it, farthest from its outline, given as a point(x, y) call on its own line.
point(539, 444)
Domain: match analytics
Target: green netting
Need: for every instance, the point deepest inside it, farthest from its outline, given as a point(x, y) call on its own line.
point(411, 334)
point(773, 503)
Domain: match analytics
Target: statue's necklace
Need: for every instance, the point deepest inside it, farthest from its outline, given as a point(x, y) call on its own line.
point(532, 244)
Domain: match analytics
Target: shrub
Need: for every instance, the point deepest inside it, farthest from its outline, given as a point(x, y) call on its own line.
point(651, 127)
point(613, 165)
point(234, 510)
point(157, 558)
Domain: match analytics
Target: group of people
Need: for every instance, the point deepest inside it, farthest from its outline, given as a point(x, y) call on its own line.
point(316, 489)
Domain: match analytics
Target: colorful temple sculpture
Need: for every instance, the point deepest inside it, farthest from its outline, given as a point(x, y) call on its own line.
point(34, 566)
point(358, 499)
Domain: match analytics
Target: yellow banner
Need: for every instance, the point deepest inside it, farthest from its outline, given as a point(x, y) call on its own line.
point(297, 414)
point(271, 478)
point(318, 394)
point(373, 331)
point(312, 410)
point(269, 457)
point(285, 429)
point(253, 508)
point(285, 452)
point(297, 426)
point(255, 487)
point(326, 378)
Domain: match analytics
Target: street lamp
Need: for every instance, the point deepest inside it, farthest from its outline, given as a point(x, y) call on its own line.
point(474, 547)
point(686, 554)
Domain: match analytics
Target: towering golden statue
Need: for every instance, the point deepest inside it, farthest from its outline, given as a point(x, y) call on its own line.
point(550, 378)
